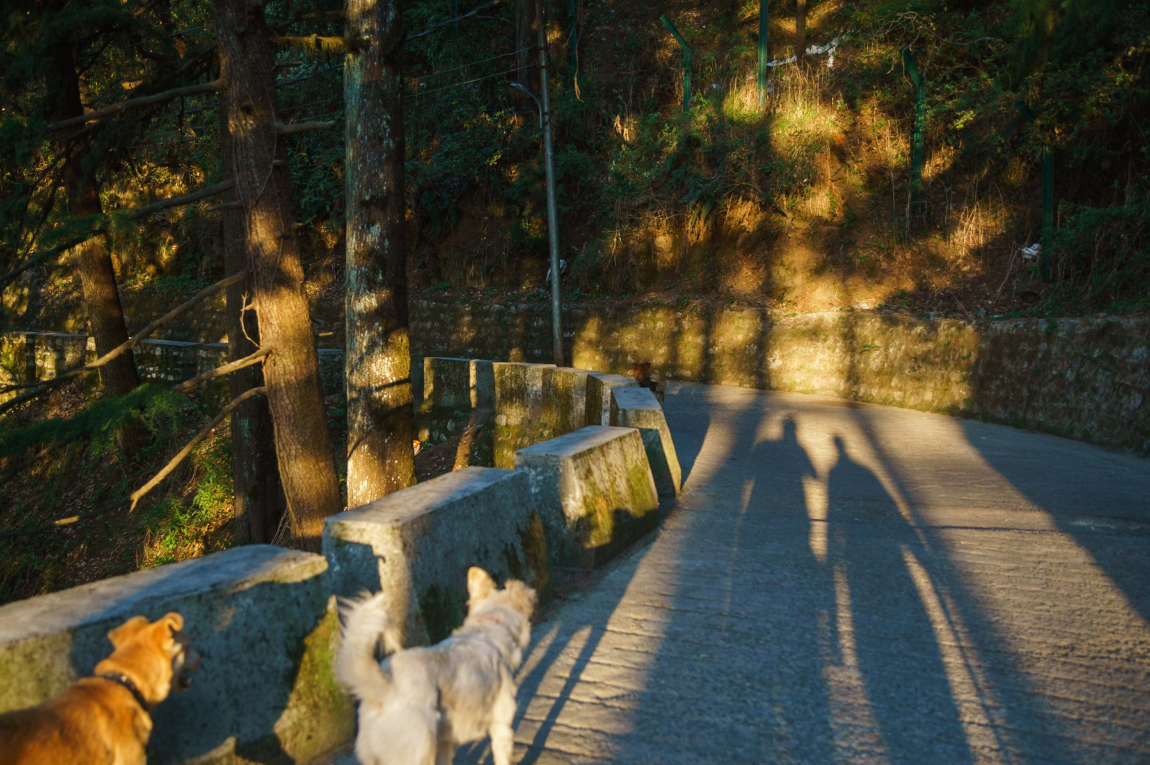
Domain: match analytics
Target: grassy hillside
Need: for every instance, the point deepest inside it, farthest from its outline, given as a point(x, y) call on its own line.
point(801, 205)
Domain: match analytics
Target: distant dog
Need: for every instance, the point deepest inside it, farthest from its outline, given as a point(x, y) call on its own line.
point(105, 718)
point(420, 704)
point(641, 372)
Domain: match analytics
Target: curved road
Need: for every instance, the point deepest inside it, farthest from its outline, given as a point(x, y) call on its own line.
point(863, 584)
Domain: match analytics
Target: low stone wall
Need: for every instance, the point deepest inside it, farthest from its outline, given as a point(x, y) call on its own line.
point(418, 543)
point(29, 356)
point(1082, 378)
point(595, 489)
point(261, 616)
point(638, 408)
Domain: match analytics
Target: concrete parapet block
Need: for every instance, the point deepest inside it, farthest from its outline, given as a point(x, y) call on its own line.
point(261, 617)
point(565, 399)
point(638, 408)
point(595, 491)
point(518, 409)
point(599, 387)
point(418, 543)
point(446, 383)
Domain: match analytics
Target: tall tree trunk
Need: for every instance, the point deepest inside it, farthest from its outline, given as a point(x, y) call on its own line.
point(93, 258)
point(291, 373)
point(801, 31)
point(380, 419)
point(257, 494)
point(525, 32)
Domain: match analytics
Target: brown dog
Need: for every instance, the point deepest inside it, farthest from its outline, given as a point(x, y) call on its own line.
point(104, 718)
point(642, 374)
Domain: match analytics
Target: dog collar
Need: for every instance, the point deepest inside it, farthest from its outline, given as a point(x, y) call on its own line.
point(116, 677)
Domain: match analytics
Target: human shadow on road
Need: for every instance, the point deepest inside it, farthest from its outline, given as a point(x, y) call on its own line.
point(737, 672)
point(870, 547)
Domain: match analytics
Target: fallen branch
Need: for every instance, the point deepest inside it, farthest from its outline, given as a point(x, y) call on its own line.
point(187, 386)
point(139, 493)
point(207, 429)
point(234, 205)
point(124, 347)
point(132, 103)
point(302, 127)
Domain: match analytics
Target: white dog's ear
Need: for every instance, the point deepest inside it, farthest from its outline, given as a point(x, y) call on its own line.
point(479, 584)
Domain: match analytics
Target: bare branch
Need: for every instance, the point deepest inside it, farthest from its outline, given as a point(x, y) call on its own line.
point(234, 205)
point(187, 386)
point(131, 103)
point(124, 347)
point(207, 429)
point(184, 199)
point(102, 228)
point(49, 254)
point(139, 493)
point(302, 127)
point(66, 521)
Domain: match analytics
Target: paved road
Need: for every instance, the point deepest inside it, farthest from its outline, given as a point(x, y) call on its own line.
point(860, 584)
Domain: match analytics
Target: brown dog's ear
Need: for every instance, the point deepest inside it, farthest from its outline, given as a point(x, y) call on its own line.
point(479, 584)
point(127, 630)
point(173, 620)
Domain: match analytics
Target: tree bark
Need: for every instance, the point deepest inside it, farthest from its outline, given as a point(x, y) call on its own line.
point(92, 258)
point(257, 493)
point(380, 419)
point(291, 373)
point(800, 31)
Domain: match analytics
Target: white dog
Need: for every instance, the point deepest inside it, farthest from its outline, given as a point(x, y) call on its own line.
point(420, 704)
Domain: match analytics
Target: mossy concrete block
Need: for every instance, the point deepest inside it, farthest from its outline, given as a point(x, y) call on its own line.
point(599, 387)
point(451, 383)
point(418, 543)
point(264, 623)
point(595, 490)
point(638, 408)
point(518, 409)
point(446, 383)
point(565, 399)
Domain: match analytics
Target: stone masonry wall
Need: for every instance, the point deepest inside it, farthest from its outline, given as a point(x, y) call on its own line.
point(1082, 378)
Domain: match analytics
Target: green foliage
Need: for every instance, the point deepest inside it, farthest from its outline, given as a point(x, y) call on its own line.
point(155, 406)
point(176, 529)
point(1102, 255)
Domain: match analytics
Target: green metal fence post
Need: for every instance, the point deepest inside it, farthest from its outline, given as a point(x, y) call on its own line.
point(686, 61)
point(1047, 213)
point(919, 124)
point(1046, 258)
point(762, 52)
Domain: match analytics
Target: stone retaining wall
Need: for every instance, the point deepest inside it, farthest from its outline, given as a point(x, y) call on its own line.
point(1082, 378)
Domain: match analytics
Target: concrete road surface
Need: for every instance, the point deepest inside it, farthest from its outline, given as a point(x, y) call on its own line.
point(862, 584)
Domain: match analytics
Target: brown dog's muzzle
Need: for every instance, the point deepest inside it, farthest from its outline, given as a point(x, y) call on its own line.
point(186, 661)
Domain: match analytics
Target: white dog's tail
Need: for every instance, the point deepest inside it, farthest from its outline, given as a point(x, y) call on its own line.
point(365, 623)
